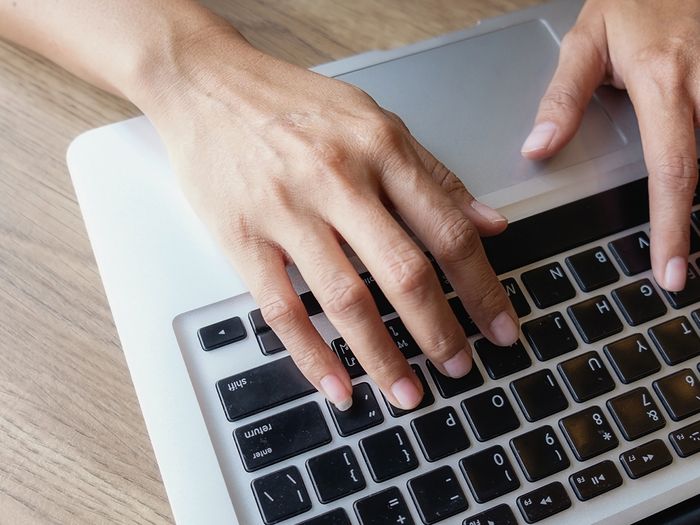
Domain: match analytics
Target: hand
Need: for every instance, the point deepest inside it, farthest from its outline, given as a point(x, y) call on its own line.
point(652, 49)
point(283, 165)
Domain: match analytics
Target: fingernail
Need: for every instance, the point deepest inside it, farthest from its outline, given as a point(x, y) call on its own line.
point(336, 392)
point(674, 278)
point(406, 393)
point(504, 329)
point(487, 212)
point(458, 365)
point(540, 137)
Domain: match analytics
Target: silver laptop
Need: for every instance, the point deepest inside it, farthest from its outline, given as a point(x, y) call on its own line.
point(593, 417)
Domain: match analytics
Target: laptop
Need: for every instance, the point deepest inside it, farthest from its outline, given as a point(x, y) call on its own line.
point(593, 417)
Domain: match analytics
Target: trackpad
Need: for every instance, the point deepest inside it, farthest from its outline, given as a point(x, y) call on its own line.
point(472, 103)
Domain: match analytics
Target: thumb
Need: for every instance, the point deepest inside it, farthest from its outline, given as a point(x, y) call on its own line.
point(581, 69)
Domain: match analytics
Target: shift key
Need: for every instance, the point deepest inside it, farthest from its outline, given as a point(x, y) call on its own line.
point(281, 436)
point(260, 388)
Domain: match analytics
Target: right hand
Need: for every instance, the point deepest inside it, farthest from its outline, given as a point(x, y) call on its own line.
point(283, 165)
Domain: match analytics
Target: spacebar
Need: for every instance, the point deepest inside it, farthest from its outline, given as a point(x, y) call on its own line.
point(261, 388)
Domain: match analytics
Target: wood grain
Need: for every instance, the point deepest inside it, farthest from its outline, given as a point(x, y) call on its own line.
point(73, 445)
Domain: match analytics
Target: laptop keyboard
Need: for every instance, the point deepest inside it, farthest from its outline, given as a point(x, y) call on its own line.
point(600, 391)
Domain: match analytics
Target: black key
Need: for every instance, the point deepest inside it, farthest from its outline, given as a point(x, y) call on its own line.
point(595, 480)
point(388, 453)
point(695, 216)
point(632, 358)
point(252, 391)
point(489, 474)
point(686, 440)
point(437, 495)
point(516, 296)
point(440, 433)
point(595, 319)
point(694, 242)
point(350, 362)
point(499, 515)
point(501, 361)
point(222, 333)
point(383, 304)
point(586, 376)
point(690, 294)
point(257, 321)
point(549, 336)
point(592, 269)
point(402, 338)
point(680, 394)
point(281, 435)
point(490, 414)
point(636, 413)
point(544, 502)
point(449, 387)
point(548, 285)
point(676, 340)
point(588, 433)
point(646, 458)
point(696, 314)
point(334, 517)
point(539, 453)
point(335, 474)
point(383, 508)
point(632, 253)
point(427, 400)
point(281, 495)
point(539, 395)
point(269, 343)
point(639, 302)
point(310, 303)
point(364, 412)
point(463, 317)
point(444, 283)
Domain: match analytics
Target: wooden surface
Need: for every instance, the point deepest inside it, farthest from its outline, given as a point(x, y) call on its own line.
point(73, 445)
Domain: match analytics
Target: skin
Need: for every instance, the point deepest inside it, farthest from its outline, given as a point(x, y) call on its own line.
point(249, 135)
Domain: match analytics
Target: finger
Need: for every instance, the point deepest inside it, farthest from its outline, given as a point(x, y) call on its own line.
point(349, 306)
point(262, 268)
point(581, 69)
point(666, 124)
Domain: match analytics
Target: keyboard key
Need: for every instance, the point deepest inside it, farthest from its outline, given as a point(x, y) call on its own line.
point(639, 302)
point(549, 336)
point(383, 304)
point(427, 400)
point(463, 317)
point(402, 338)
point(440, 433)
point(364, 412)
point(269, 343)
point(437, 495)
point(385, 507)
point(690, 294)
point(595, 480)
point(632, 253)
point(676, 340)
point(388, 454)
point(595, 319)
point(449, 387)
point(489, 474)
point(632, 358)
point(646, 458)
point(586, 376)
point(548, 285)
point(588, 433)
point(334, 517)
point(696, 314)
point(281, 495)
point(281, 435)
point(636, 413)
point(257, 321)
point(499, 515)
point(310, 303)
point(501, 361)
point(490, 414)
point(222, 333)
point(686, 440)
point(335, 474)
point(346, 356)
point(444, 283)
point(539, 453)
point(516, 296)
point(592, 269)
point(680, 394)
point(544, 502)
point(263, 387)
point(539, 395)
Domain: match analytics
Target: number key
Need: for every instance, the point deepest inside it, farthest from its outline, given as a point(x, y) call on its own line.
point(636, 413)
point(539, 453)
point(489, 474)
point(588, 433)
point(680, 394)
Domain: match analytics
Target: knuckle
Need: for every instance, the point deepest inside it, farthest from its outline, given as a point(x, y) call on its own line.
point(343, 296)
point(409, 272)
point(562, 98)
point(385, 134)
point(663, 63)
point(442, 346)
point(329, 157)
point(676, 173)
point(281, 312)
point(457, 239)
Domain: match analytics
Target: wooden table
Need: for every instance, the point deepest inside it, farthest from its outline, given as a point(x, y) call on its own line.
point(73, 446)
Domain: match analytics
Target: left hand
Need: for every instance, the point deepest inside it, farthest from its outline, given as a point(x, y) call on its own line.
point(651, 48)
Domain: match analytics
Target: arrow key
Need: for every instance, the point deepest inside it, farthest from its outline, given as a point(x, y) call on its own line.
point(646, 458)
point(544, 502)
point(595, 480)
point(222, 333)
